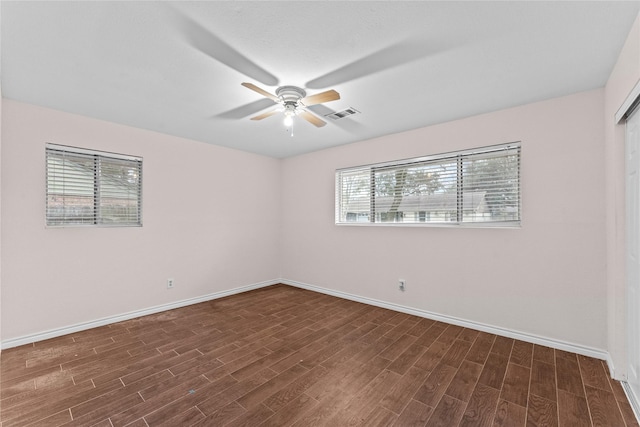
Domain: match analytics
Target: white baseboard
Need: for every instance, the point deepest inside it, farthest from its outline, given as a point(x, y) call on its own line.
point(53, 333)
point(634, 400)
point(535, 339)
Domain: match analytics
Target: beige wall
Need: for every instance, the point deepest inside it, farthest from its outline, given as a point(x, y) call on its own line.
point(211, 222)
point(544, 279)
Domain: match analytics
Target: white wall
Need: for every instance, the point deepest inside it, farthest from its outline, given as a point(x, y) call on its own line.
point(546, 278)
point(624, 77)
point(209, 231)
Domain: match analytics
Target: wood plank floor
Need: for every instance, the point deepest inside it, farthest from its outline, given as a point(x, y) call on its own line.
point(282, 356)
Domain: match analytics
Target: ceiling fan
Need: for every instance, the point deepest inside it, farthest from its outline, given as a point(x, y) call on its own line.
point(293, 101)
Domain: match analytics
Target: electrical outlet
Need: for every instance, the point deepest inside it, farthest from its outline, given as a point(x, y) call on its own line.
point(170, 283)
point(401, 283)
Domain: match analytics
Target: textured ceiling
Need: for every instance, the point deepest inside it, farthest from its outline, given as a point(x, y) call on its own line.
point(177, 67)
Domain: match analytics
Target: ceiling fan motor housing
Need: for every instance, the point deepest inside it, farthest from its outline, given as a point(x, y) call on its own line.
point(290, 94)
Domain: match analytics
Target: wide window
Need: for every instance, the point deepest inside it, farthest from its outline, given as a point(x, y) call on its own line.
point(480, 186)
point(86, 187)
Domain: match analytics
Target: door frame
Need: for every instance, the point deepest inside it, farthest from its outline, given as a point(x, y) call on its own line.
point(630, 108)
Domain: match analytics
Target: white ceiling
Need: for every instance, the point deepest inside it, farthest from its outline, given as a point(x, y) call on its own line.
point(176, 67)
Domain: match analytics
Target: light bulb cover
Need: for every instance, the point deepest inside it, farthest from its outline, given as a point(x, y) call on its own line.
point(288, 120)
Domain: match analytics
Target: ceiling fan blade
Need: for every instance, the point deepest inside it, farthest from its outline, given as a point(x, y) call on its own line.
point(261, 91)
point(386, 58)
point(316, 121)
point(247, 109)
point(216, 48)
point(319, 98)
point(265, 115)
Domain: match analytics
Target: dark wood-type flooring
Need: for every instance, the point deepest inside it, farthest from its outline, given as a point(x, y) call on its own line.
point(283, 356)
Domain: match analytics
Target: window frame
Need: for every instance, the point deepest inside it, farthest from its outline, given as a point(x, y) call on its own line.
point(459, 157)
point(97, 218)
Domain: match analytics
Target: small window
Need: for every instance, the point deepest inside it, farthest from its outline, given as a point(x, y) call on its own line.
point(86, 187)
point(480, 187)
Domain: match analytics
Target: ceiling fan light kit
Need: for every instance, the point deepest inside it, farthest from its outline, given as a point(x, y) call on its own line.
point(288, 117)
point(290, 96)
point(294, 101)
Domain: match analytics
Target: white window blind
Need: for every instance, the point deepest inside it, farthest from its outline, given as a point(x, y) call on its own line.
point(86, 187)
point(480, 186)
